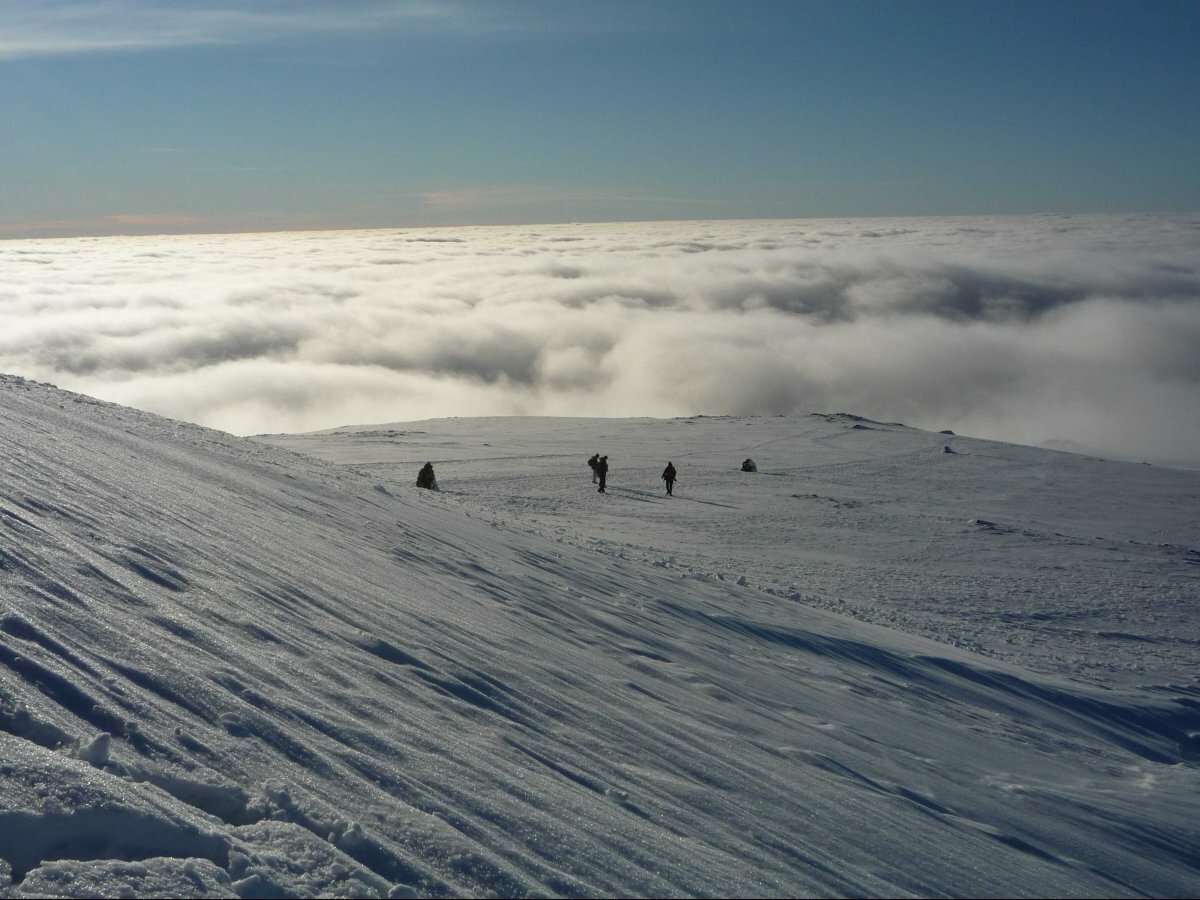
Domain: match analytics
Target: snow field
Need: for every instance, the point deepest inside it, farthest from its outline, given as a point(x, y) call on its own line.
point(318, 680)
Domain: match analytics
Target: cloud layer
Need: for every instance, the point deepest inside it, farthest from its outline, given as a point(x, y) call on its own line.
point(1023, 329)
point(73, 27)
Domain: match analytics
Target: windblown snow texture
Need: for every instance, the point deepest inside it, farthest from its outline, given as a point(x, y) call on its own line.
point(229, 669)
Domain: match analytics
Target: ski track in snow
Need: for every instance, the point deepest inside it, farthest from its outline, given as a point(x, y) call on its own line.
point(870, 668)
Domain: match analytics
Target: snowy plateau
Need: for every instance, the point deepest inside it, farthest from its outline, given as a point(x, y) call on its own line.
point(890, 662)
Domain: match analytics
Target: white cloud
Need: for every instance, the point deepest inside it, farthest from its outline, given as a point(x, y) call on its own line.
point(52, 27)
point(64, 27)
point(1014, 328)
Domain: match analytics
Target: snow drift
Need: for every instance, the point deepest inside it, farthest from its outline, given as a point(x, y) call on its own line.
point(229, 669)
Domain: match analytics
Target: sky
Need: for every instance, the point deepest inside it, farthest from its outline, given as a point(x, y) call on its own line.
point(1017, 328)
point(149, 116)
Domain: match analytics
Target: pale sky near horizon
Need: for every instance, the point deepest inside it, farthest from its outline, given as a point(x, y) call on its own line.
point(149, 116)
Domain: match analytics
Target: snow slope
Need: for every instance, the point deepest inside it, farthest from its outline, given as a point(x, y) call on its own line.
point(1072, 565)
point(230, 670)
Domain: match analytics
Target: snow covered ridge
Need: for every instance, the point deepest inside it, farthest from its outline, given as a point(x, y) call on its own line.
point(227, 669)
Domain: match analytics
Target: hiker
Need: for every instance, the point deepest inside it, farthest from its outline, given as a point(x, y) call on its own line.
point(426, 479)
point(592, 463)
point(668, 476)
point(602, 471)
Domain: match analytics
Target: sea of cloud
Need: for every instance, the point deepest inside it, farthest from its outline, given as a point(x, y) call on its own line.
point(1085, 328)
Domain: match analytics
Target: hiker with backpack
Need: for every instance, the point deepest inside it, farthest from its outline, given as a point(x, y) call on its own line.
point(668, 476)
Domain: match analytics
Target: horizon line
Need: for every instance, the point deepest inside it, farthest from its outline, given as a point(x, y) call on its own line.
point(6, 229)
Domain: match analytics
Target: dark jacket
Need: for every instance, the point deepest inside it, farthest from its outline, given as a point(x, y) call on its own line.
point(425, 478)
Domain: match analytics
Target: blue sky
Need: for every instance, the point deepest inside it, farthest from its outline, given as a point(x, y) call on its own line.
point(160, 115)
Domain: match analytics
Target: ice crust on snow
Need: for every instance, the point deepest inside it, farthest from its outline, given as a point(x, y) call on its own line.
point(276, 668)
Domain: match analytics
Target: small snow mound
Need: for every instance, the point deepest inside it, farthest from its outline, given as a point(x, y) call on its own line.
point(95, 752)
